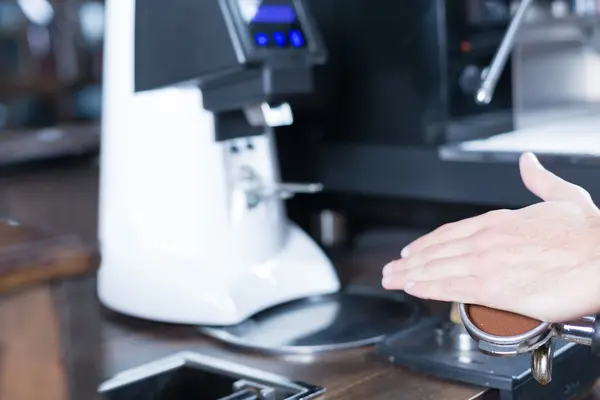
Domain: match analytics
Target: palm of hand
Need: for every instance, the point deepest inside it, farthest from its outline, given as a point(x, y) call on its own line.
point(542, 261)
point(537, 261)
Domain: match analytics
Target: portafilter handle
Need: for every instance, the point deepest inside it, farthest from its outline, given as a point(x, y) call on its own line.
point(486, 91)
point(585, 331)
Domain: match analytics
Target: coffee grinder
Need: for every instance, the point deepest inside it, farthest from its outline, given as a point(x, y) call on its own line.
point(193, 227)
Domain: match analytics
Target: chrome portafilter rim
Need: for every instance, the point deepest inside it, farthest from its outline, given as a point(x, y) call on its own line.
point(505, 345)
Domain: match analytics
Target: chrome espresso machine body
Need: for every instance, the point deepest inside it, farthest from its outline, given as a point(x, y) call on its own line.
point(399, 113)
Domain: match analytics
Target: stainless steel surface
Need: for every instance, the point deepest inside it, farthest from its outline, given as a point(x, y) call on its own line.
point(355, 317)
point(558, 134)
point(555, 67)
point(552, 31)
point(506, 345)
point(580, 331)
point(541, 363)
point(570, 67)
point(248, 377)
point(456, 336)
point(488, 86)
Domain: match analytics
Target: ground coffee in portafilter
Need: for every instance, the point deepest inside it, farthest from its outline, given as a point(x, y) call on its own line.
point(500, 323)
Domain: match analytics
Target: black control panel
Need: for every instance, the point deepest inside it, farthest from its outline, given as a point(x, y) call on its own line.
point(273, 24)
point(267, 46)
point(276, 32)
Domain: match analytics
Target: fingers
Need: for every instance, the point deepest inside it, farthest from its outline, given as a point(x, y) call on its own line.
point(444, 233)
point(443, 268)
point(455, 230)
point(435, 270)
point(460, 290)
point(452, 248)
point(549, 187)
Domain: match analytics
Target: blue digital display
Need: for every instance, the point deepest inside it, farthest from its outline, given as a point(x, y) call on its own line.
point(272, 24)
point(296, 38)
point(262, 39)
point(279, 39)
point(274, 14)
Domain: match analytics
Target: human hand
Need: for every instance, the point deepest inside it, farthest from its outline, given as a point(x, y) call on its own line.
point(542, 261)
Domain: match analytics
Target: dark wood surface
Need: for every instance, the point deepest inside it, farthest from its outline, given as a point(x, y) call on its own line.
point(56, 342)
point(30, 256)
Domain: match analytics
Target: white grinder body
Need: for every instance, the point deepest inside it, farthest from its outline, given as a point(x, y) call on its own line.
point(181, 241)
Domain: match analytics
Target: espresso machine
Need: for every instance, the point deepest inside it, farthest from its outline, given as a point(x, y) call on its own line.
point(397, 115)
point(193, 227)
point(434, 101)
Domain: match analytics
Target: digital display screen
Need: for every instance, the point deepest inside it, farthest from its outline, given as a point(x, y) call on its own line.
point(272, 23)
point(259, 12)
point(274, 14)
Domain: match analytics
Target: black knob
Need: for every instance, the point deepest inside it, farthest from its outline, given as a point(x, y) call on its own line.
point(470, 79)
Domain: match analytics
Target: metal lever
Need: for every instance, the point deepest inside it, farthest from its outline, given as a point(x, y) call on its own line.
point(256, 191)
point(488, 86)
point(283, 191)
point(288, 190)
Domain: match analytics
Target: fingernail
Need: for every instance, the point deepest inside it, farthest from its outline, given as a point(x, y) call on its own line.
point(408, 285)
point(535, 160)
point(404, 253)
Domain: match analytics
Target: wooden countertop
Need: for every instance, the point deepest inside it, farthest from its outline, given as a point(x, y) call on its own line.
point(56, 343)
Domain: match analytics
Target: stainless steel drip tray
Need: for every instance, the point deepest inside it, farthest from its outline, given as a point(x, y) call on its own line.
point(195, 376)
point(457, 154)
point(570, 136)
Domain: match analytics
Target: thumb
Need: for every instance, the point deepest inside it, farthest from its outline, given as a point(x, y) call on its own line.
point(549, 187)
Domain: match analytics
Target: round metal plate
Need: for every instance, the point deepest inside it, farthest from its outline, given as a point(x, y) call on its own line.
point(351, 318)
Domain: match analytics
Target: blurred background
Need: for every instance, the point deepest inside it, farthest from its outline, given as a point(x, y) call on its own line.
point(50, 72)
